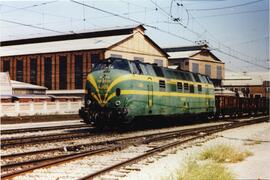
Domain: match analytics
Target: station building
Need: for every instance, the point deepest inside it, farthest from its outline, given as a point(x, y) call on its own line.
point(198, 59)
point(61, 63)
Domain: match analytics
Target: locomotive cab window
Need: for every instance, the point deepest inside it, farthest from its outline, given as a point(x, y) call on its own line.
point(150, 69)
point(179, 86)
point(186, 86)
point(180, 75)
point(158, 71)
point(135, 68)
point(143, 68)
point(196, 77)
point(162, 85)
point(137, 63)
point(120, 64)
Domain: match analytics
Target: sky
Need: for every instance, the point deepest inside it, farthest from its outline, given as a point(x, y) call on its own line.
point(237, 31)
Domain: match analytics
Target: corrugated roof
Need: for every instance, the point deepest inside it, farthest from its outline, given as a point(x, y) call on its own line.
point(62, 46)
point(22, 85)
point(186, 48)
point(31, 96)
point(100, 32)
point(244, 79)
point(68, 91)
point(182, 54)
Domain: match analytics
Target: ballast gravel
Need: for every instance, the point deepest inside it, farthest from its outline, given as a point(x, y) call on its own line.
point(96, 138)
point(253, 167)
point(40, 124)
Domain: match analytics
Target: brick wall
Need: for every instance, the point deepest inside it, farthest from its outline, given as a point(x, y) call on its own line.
point(86, 66)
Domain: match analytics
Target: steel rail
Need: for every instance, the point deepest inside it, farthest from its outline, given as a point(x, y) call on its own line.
point(62, 158)
point(30, 140)
point(74, 147)
point(159, 136)
point(121, 146)
point(48, 128)
point(165, 147)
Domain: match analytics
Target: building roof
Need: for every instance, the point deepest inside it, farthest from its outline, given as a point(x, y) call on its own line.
point(91, 40)
point(63, 91)
point(182, 54)
point(245, 79)
point(62, 46)
point(113, 31)
point(22, 85)
point(186, 48)
point(223, 92)
point(7, 85)
point(31, 96)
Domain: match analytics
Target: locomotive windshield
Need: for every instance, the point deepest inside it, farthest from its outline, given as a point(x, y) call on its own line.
point(112, 64)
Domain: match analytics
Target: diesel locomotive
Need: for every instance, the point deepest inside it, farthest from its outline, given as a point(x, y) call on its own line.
point(119, 91)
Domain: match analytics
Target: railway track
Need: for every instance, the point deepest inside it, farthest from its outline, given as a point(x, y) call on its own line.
point(38, 139)
point(12, 169)
point(160, 148)
point(63, 152)
point(40, 129)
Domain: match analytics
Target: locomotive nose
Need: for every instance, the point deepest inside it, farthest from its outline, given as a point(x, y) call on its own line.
point(103, 84)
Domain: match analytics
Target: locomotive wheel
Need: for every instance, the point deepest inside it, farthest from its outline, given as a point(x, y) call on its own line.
point(99, 122)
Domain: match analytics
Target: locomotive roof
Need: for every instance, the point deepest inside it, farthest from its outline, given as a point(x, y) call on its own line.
point(153, 64)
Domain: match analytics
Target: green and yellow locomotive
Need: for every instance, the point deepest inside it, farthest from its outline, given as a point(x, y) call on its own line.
point(119, 91)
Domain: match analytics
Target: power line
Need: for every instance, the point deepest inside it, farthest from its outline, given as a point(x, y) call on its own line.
point(156, 28)
point(130, 19)
point(42, 13)
point(177, 20)
point(170, 15)
point(223, 52)
point(31, 6)
point(236, 57)
point(227, 7)
point(253, 40)
point(229, 14)
point(29, 25)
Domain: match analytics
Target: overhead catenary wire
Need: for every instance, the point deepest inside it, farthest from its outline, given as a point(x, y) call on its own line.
point(226, 53)
point(159, 29)
point(32, 26)
point(241, 59)
point(227, 7)
point(148, 25)
point(41, 13)
point(234, 13)
point(130, 19)
point(31, 6)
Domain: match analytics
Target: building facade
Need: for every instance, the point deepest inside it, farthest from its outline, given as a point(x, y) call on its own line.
point(251, 84)
point(61, 63)
point(198, 59)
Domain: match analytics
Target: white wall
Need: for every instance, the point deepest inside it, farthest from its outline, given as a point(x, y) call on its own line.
point(39, 108)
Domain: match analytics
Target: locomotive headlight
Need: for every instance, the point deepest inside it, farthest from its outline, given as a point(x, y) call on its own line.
point(117, 103)
point(88, 102)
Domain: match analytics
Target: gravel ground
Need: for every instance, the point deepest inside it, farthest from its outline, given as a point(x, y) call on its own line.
point(254, 167)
